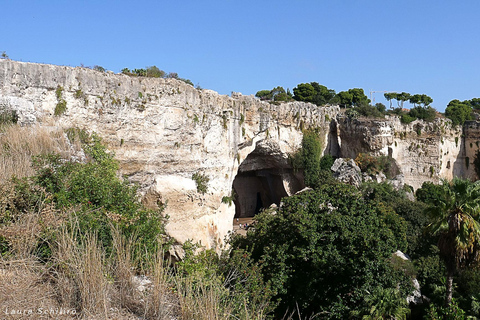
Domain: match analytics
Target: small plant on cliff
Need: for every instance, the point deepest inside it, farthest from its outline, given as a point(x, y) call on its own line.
point(374, 165)
point(476, 163)
point(8, 116)
point(201, 181)
point(229, 199)
point(61, 105)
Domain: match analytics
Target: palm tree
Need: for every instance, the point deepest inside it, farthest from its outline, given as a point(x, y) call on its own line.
point(455, 219)
point(383, 303)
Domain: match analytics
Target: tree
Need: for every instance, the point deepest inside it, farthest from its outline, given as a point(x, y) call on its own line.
point(475, 103)
point(276, 94)
point(424, 113)
point(455, 217)
point(304, 92)
point(389, 96)
point(99, 68)
point(345, 99)
point(358, 97)
point(402, 97)
point(326, 249)
point(264, 95)
point(313, 92)
point(459, 111)
point(4, 55)
point(154, 72)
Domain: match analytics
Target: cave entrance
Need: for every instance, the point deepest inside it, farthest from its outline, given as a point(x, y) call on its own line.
point(263, 179)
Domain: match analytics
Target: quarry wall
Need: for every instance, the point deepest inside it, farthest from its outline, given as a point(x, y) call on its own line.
point(164, 130)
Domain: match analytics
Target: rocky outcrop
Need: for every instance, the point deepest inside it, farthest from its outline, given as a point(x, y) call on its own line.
point(163, 131)
point(347, 172)
point(423, 151)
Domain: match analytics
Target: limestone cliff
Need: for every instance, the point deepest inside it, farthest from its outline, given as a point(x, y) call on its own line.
point(424, 151)
point(164, 130)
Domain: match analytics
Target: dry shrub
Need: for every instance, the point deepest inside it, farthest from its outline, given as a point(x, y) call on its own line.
point(18, 145)
point(123, 270)
point(24, 292)
point(152, 300)
point(203, 300)
point(81, 280)
point(160, 300)
point(23, 230)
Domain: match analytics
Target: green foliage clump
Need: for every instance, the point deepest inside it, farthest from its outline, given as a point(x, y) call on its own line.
point(366, 110)
point(352, 97)
point(313, 92)
point(233, 278)
point(60, 108)
point(92, 193)
point(276, 94)
point(61, 105)
point(460, 111)
point(309, 158)
point(423, 113)
point(326, 249)
point(476, 163)
point(8, 117)
point(229, 199)
point(201, 181)
point(99, 68)
point(154, 72)
point(374, 165)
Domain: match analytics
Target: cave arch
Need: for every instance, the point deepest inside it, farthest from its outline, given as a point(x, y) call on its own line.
point(264, 178)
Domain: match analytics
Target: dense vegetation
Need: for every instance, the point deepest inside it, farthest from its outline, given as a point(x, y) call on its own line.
point(329, 250)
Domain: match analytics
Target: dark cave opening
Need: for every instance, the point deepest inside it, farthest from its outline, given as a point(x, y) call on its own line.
point(256, 190)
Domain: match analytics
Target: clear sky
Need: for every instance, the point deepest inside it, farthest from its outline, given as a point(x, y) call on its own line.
point(416, 46)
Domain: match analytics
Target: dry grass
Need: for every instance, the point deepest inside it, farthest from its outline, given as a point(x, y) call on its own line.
point(81, 280)
point(24, 293)
point(19, 144)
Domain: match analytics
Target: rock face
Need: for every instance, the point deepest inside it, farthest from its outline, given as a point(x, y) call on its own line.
point(164, 130)
point(423, 151)
point(347, 172)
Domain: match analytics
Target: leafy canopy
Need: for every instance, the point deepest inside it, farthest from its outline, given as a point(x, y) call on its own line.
point(326, 249)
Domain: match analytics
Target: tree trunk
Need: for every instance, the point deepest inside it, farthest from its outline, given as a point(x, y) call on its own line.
point(449, 288)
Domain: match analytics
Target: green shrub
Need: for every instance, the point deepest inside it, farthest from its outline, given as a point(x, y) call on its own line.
point(229, 199)
point(201, 181)
point(8, 117)
point(99, 198)
point(58, 92)
point(374, 165)
point(406, 119)
point(317, 251)
point(60, 108)
point(78, 94)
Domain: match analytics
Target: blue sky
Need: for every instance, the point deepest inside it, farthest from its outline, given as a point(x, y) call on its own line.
point(430, 47)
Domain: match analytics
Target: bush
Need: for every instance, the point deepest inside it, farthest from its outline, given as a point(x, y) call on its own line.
point(201, 181)
point(8, 117)
point(92, 193)
point(60, 108)
point(325, 250)
point(374, 165)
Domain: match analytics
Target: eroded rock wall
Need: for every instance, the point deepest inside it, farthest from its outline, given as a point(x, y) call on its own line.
point(163, 131)
point(424, 151)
